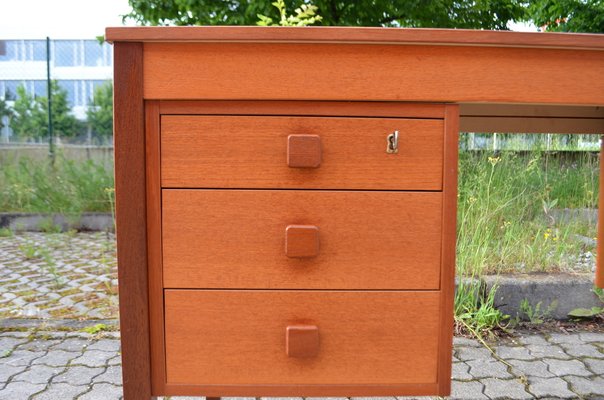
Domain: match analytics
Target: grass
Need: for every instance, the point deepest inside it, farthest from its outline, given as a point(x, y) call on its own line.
point(69, 187)
point(505, 204)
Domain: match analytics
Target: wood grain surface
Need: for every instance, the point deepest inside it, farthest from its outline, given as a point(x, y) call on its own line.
point(599, 278)
point(235, 239)
point(154, 257)
point(301, 71)
point(237, 337)
point(450, 37)
point(130, 215)
point(251, 152)
point(449, 236)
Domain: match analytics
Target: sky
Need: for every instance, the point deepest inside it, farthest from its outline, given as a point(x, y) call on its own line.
point(59, 19)
point(70, 19)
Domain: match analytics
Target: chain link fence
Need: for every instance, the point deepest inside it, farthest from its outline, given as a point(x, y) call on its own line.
point(56, 98)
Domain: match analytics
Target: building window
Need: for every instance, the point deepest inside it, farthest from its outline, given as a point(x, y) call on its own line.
point(69, 87)
point(38, 50)
point(93, 54)
point(10, 89)
point(40, 89)
point(65, 53)
point(12, 51)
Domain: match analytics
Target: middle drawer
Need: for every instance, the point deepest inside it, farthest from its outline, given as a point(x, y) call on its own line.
point(301, 239)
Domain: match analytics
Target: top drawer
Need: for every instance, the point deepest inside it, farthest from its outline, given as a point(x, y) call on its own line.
point(346, 153)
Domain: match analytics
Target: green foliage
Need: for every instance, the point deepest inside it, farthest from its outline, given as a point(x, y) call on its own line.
point(483, 14)
point(503, 207)
point(100, 111)
point(535, 314)
point(69, 187)
point(64, 123)
point(5, 111)
point(568, 15)
point(30, 115)
point(305, 15)
point(97, 328)
point(25, 111)
point(474, 310)
point(6, 232)
point(586, 312)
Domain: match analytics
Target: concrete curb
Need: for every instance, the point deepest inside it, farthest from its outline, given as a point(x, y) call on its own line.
point(557, 293)
point(88, 221)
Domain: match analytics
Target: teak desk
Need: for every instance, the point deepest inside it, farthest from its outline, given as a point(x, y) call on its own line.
point(286, 197)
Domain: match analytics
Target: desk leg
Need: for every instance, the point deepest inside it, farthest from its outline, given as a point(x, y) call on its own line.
point(599, 281)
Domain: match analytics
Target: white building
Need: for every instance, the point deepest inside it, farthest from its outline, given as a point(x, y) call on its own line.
point(78, 65)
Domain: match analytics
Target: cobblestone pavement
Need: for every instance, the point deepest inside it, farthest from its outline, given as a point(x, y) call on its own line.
point(77, 365)
point(61, 275)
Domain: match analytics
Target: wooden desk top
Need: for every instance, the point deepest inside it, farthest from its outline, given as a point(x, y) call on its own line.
point(450, 37)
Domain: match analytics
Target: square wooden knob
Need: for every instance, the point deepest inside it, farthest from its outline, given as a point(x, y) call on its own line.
point(303, 151)
point(302, 341)
point(301, 241)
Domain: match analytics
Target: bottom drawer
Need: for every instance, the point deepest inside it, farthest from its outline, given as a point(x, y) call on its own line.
point(240, 337)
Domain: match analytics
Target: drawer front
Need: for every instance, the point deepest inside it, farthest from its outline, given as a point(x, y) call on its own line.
point(243, 337)
point(301, 239)
point(300, 152)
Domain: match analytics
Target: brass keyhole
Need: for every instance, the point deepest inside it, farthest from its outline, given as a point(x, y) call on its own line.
point(392, 143)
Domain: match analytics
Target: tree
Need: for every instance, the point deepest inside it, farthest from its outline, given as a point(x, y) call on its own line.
point(30, 120)
point(5, 111)
point(100, 111)
point(567, 15)
point(64, 123)
point(23, 121)
point(484, 14)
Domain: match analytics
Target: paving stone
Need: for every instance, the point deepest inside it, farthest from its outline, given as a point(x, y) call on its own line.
point(37, 374)
point(63, 391)
point(6, 371)
point(533, 339)
point(460, 371)
point(21, 357)
point(465, 342)
point(554, 387)
point(596, 366)
point(105, 345)
point(56, 358)
point(38, 345)
point(472, 353)
point(93, 358)
point(586, 386)
point(582, 350)
point(20, 390)
point(566, 367)
point(505, 389)
point(550, 351)
point(592, 337)
point(467, 390)
point(536, 368)
point(112, 375)
point(72, 344)
point(117, 360)
point(103, 391)
point(78, 375)
point(9, 343)
point(16, 334)
point(513, 353)
point(572, 338)
point(488, 368)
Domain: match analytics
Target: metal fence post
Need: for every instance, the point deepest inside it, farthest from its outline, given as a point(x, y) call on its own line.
point(51, 145)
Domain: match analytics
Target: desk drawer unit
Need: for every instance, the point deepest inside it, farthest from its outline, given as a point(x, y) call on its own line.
point(292, 254)
point(286, 197)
